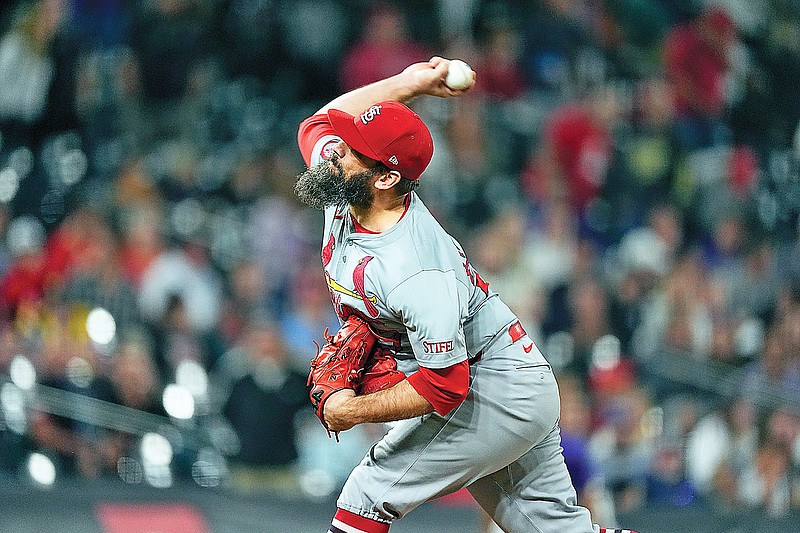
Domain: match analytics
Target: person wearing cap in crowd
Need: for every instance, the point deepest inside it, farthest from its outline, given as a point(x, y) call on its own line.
point(479, 407)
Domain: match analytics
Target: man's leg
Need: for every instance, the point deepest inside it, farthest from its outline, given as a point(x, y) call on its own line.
point(534, 493)
point(505, 413)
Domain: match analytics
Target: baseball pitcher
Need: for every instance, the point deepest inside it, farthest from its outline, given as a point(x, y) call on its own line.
point(475, 403)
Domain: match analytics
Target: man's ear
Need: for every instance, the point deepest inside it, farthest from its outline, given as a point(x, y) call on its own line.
point(388, 180)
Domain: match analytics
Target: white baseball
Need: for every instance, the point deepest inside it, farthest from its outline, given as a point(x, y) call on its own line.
point(459, 75)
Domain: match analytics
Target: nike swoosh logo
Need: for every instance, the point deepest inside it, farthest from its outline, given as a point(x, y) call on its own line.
point(528, 348)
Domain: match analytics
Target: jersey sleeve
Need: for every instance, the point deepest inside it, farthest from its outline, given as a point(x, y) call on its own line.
point(444, 388)
point(431, 306)
point(316, 139)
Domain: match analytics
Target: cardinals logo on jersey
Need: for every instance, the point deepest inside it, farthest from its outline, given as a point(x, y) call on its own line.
point(360, 293)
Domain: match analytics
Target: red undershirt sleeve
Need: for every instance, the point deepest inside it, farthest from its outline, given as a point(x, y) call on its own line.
point(444, 388)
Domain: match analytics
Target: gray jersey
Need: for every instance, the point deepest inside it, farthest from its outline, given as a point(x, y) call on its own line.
point(415, 284)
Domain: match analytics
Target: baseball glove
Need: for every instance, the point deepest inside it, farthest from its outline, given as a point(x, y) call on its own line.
point(380, 372)
point(339, 364)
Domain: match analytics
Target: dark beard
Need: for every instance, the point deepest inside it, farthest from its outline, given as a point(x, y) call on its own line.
point(324, 185)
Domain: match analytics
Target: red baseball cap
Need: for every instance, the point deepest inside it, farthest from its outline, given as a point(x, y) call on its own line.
point(388, 132)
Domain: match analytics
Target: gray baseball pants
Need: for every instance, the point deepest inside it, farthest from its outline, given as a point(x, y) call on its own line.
point(502, 443)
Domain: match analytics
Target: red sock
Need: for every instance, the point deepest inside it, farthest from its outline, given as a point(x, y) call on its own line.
point(347, 522)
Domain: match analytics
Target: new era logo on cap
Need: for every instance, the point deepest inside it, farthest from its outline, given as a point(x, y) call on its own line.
point(388, 132)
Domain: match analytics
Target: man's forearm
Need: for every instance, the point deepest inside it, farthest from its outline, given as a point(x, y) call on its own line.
point(424, 78)
point(396, 403)
point(398, 87)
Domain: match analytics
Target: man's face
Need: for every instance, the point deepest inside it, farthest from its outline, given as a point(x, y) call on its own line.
point(327, 184)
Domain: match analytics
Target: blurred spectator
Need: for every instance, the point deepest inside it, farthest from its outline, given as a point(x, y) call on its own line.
point(308, 314)
point(753, 287)
point(560, 308)
point(279, 235)
point(553, 243)
point(621, 442)
point(384, 48)
point(589, 308)
point(720, 447)
point(183, 272)
point(765, 483)
point(142, 242)
point(246, 298)
point(554, 36)
point(672, 423)
point(576, 431)
point(102, 25)
point(643, 171)
point(24, 283)
point(697, 59)
point(723, 252)
point(315, 34)
point(781, 55)
point(67, 364)
point(500, 64)
point(677, 317)
point(632, 31)
point(261, 394)
point(500, 256)
point(575, 150)
point(176, 340)
point(169, 38)
point(137, 383)
point(96, 280)
point(37, 69)
point(250, 38)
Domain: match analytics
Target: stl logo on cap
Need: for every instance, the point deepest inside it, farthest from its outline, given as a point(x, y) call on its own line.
point(393, 160)
point(371, 113)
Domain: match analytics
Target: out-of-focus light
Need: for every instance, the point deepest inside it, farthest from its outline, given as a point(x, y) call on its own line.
point(317, 484)
point(25, 234)
point(749, 337)
point(73, 166)
point(652, 423)
point(191, 376)
point(187, 217)
point(100, 326)
point(606, 352)
point(156, 450)
point(209, 468)
point(80, 372)
point(9, 184)
point(158, 476)
point(560, 349)
point(41, 469)
point(22, 372)
point(13, 402)
point(21, 160)
point(178, 402)
point(130, 470)
point(223, 436)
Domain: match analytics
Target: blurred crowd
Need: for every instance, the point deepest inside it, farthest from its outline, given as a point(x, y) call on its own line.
point(625, 174)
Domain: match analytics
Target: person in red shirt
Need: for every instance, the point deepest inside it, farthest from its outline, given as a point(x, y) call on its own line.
point(575, 151)
point(696, 62)
point(384, 48)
